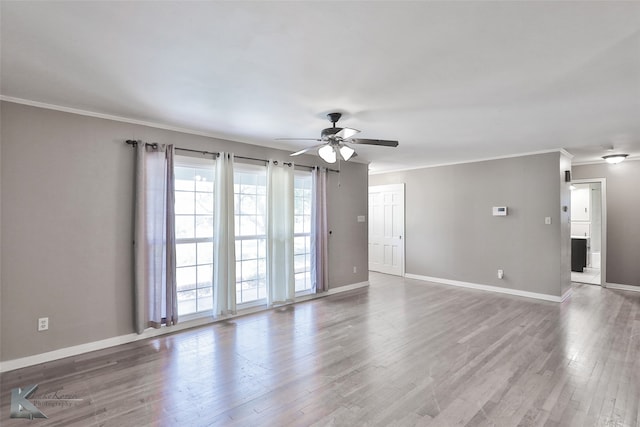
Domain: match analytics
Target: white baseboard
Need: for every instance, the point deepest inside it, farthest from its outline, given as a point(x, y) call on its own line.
point(345, 288)
point(535, 295)
point(75, 350)
point(622, 287)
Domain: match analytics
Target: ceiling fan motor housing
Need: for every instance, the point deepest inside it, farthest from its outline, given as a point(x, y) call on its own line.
point(329, 131)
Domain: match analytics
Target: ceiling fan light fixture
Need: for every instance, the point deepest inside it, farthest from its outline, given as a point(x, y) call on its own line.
point(346, 152)
point(615, 158)
point(327, 153)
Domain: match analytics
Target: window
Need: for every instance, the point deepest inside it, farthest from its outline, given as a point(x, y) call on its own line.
point(302, 230)
point(194, 234)
point(250, 199)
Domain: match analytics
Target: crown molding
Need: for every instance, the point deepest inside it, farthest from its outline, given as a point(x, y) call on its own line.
point(485, 159)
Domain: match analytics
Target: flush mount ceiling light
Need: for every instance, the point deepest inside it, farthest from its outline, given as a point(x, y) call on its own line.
point(615, 158)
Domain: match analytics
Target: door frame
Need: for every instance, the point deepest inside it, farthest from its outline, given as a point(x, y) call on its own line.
point(603, 224)
point(392, 187)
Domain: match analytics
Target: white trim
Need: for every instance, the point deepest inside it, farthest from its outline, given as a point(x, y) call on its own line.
point(535, 295)
point(345, 288)
point(156, 125)
point(507, 156)
point(106, 116)
point(603, 224)
point(622, 287)
point(75, 350)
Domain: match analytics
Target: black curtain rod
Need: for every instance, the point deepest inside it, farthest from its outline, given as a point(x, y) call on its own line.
point(155, 144)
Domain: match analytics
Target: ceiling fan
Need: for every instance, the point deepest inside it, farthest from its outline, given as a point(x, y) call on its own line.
point(334, 142)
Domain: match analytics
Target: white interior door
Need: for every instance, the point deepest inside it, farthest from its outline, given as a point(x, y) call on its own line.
point(386, 229)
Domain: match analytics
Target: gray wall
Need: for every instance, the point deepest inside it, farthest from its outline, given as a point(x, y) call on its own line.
point(66, 224)
point(451, 233)
point(623, 218)
point(565, 225)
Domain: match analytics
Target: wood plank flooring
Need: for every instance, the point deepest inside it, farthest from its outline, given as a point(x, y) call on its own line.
point(401, 353)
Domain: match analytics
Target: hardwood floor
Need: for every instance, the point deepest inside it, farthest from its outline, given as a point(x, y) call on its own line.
point(402, 352)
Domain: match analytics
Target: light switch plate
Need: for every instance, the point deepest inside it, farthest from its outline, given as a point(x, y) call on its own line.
point(361, 218)
point(547, 220)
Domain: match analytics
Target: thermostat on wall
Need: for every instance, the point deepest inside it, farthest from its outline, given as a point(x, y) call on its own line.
point(499, 211)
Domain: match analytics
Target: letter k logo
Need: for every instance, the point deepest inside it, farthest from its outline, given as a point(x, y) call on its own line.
point(21, 407)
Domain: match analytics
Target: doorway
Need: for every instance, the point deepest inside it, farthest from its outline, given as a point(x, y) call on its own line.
point(588, 231)
point(386, 229)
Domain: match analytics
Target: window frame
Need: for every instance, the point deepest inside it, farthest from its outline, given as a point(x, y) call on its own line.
point(186, 161)
point(306, 174)
point(240, 168)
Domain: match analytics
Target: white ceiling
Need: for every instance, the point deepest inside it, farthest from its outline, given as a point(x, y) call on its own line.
point(452, 81)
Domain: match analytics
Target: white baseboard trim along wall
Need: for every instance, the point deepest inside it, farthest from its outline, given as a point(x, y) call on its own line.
point(545, 297)
point(75, 350)
point(623, 287)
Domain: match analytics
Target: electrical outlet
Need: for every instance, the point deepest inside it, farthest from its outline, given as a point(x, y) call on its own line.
point(43, 324)
point(355, 269)
point(500, 274)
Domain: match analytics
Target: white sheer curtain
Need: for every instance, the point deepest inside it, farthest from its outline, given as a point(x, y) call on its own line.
point(154, 241)
point(319, 232)
point(280, 201)
point(224, 240)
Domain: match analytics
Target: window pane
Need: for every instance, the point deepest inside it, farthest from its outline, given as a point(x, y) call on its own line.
point(204, 226)
point(300, 282)
point(205, 299)
point(262, 184)
point(184, 227)
point(205, 253)
point(262, 248)
point(205, 276)
point(249, 270)
point(298, 224)
point(204, 180)
point(299, 263)
point(204, 203)
point(249, 249)
point(249, 291)
point(185, 254)
point(184, 203)
point(262, 288)
point(186, 278)
point(299, 245)
point(184, 178)
point(247, 225)
point(248, 179)
point(261, 205)
point(247, 205)
point(187, 302)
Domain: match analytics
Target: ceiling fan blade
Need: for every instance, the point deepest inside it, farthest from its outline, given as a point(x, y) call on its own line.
point(297, 153)
point(383, 142)
point(346, 133)
point(298, 139)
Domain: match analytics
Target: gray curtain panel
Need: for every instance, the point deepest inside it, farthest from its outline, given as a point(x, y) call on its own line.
point(319, 232)
point(154, 238)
